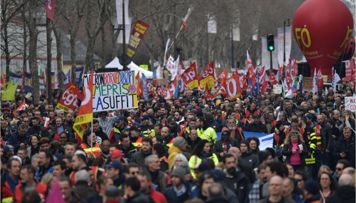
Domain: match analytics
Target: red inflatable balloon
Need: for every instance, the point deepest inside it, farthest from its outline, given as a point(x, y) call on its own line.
point(322, 29)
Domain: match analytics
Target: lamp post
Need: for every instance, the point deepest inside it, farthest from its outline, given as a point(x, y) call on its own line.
point(122, 28)
point(124, 62)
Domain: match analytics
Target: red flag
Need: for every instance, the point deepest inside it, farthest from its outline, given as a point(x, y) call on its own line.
point(69, 99)
point(190, 77)
point(50, 8)
point(264, 83)
point(183, 26)
point(233, 87)
point(223, 77)
point(251, 71)
point(320, 81)
point(272, 78)
point(350, 70)
point(22, 106)
point(139, 85)
point(85, 113)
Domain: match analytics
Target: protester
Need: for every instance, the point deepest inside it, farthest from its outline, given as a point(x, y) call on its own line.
point(177, 148)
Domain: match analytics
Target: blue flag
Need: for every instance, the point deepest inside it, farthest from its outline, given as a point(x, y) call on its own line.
point(177, 89)
point(145, 90)
point(257, 87)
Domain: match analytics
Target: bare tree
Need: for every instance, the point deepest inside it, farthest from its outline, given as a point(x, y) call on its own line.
point(72, 12)
point(96, 17)
point(59, 43)
point(9, 9)
point(32, 8)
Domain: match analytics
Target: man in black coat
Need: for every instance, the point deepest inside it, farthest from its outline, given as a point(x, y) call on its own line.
point(133, 193)
point(235, 179)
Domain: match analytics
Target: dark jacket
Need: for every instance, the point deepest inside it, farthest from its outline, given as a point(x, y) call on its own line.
point(85, 194)
point(346, 146)
point(139, 198)
point(172, 197)
point(239, 184)
point(249, 160)
point(344, 194)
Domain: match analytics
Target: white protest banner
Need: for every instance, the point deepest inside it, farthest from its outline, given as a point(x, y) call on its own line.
point(114, 91)
point(350, 103)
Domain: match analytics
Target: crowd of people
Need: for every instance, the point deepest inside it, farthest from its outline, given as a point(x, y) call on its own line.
point(187, 149)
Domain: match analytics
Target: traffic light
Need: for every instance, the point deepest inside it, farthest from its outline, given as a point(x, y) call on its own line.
point(270, 42)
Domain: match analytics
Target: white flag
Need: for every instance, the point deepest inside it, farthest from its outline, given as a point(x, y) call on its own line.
point(336, 79)
point(212, 26)
point(315, 86)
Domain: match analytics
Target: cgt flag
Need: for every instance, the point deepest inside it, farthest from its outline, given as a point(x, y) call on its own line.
point(190, 77)
point(50, 7)
point(208, 77)
point(69, 99)
point(85, 113)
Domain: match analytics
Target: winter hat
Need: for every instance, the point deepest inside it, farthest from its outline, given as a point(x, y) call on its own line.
point(82, 175)
point(179, 142)
point(311, 187)
point(179, 172)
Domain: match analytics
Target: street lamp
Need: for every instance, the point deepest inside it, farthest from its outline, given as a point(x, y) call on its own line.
point(124, 59)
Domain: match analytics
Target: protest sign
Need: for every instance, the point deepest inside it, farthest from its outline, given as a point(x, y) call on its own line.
point(114, 91)
point(350, 104)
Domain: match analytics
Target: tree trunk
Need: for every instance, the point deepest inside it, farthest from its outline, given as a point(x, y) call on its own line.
point(73, 56)
point(59, 44)
point(33, 62)
point(6, 50)
point(24, 60)
point(32, 57)
point(89, 57)
point(49, 58)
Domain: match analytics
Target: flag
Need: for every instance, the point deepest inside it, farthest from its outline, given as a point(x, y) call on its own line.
point(280, 73)
point(22, 106)
point(172, 67)
point(223, 77)
point(272, 78)
point(177, 89)
point(319, 78)
point(257, 85)
point(145, 89)
point(350, 70)
point(190, 77)
point(208, 76)
point(315, 86)
point(85, 113)
point(183, 26)
point(264, 83)
point(69, 100)
point(300, 84)
point(139, 85)
point(250, 71)
point(335, 80)
point(9, 91)
point(50, 8)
